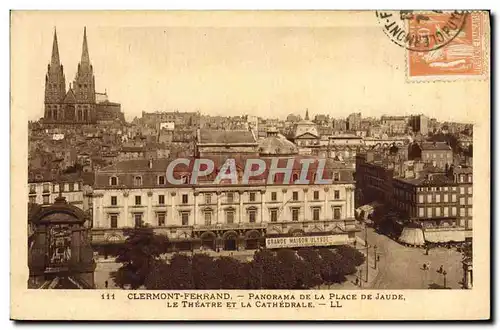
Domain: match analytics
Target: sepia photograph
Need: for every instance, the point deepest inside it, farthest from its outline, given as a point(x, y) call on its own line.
point(306, 162)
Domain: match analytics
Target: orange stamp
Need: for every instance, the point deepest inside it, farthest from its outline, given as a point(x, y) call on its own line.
point(440, 45)
point(464, 57)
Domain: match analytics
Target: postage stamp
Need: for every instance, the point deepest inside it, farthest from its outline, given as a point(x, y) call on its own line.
point(464, 57)
point(439, 45)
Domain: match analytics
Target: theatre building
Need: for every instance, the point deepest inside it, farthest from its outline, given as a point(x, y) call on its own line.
point(223, 216)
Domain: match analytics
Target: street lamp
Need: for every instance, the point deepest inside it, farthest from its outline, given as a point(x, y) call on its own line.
point(366, 235)
point(444, 278)
point(375, 255)
point(367, 264)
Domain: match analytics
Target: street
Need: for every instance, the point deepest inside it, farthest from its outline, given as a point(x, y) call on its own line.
point(401, 267)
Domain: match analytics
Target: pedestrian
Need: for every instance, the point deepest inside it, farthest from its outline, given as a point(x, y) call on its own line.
point(106, 284)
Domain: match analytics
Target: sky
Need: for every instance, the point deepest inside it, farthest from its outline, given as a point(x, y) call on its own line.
point(269, 66)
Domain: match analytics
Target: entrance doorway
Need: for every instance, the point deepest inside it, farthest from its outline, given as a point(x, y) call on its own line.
point(208, 240)
point(230, 241)
point(252, 240)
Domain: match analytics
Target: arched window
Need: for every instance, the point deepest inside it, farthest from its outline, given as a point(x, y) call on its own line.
point(185, 179)
point(138, 180)
point(113, 181)
point(295, 177)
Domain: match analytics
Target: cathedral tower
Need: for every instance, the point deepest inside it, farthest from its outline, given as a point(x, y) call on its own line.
point(55, 86)
point(84, 87)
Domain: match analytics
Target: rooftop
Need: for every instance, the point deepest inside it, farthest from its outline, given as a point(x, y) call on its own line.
point(435, 146)
point(225, 137)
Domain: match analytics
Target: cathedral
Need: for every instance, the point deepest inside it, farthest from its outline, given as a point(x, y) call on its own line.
point(77, 105)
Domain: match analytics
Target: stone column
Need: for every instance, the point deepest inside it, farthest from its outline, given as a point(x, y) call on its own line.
point(352, 202)
point(283, 204)
point(100, 211)
point(75, 246)
point(173, 208)
point(240, 210)
point(348, 201)
point(325, 212)
point(96, 212)
point(149, 212)
point(262, 192)
point(217, 216)
point(306, 204)
point(125, 210)
point(195, 211)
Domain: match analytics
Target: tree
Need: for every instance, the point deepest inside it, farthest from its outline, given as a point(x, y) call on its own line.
point(350, 254)
point(158, 276)
point(266, 271)
point(331, 267)
point(204, 276)
point(230, 272)
point(311, 276)
point(291, 269)
point(138, 255)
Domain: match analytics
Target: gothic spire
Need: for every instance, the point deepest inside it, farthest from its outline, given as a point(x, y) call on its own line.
point(54, 61)
point(85, 49)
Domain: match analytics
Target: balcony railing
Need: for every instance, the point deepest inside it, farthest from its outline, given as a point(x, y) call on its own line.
point(222, 226)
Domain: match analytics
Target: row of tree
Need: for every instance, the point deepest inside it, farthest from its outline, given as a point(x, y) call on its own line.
point(269, 269)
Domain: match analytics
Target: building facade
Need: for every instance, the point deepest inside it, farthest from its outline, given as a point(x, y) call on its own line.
point(395, 125)
point(437, 154)
point(420, 124)
point(462, 175)
point(219, 216)
point(432, 202)
point(44, 188)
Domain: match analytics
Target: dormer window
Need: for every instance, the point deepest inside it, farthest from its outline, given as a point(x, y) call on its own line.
point(295, 177)
point(138, 180)
point(336, 176)
point(185, 179)
point(161, 179)
point(113, 181)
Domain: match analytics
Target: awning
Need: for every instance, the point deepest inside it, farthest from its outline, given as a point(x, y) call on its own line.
point(412, 236)
point(444, 236)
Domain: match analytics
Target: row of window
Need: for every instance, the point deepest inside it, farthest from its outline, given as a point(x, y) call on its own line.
point(442, 155)
point(444, 211)
point(55, 187)
point(46, 199)
point(465, 178)
point(229, 197)
point(229, 216)
point(80, 114)
point(161, 179)
point(437, 188)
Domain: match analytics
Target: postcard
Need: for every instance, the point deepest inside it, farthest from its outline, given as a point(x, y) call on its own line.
point(250, 165)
